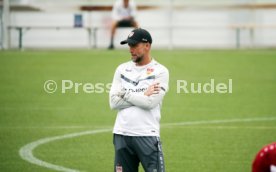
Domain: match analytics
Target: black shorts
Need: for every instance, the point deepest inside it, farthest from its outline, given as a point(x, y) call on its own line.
point(126, 23)
point(131, 150)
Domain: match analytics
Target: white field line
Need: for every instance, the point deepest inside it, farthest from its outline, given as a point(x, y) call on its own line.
point(54, 127)
point(219, 121)
point(26, 152)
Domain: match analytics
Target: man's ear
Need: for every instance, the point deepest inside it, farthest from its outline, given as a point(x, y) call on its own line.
point(148, 46)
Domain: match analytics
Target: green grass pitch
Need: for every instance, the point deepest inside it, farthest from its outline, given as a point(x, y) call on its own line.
point(28, 113)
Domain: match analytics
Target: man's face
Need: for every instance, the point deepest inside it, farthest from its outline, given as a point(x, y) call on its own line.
point(138, 51)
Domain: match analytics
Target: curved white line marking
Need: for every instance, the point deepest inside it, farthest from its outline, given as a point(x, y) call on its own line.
point(26, 152)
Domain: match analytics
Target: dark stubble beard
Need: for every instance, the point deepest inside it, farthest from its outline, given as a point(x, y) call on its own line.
point(138, 59)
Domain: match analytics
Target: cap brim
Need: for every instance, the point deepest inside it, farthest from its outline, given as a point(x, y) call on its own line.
point(123, 42)
point(129, 41)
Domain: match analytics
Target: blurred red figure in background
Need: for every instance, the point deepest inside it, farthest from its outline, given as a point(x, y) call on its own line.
point(265, 160)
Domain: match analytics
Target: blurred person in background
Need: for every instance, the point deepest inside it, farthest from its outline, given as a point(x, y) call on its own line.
point(265, 160)
point(123, 15)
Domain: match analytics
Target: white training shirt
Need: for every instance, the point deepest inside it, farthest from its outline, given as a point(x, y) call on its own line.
point(119, 11)
point(138, 115)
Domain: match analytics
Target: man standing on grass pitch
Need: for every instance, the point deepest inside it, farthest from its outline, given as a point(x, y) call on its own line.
point(137, 91)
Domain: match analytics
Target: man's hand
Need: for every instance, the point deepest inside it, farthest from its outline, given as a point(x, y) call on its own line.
point(122, 93)
point(152, 89)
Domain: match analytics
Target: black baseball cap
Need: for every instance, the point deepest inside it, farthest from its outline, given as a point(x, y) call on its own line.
point(136, 36)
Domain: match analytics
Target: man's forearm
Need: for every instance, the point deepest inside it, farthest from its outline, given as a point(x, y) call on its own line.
point(117, 102)
point(142, 101)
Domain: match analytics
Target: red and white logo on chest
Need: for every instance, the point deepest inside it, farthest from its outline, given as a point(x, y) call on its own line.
point(149, 71)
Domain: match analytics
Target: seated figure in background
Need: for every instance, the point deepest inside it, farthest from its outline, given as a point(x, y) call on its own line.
point(123, 15)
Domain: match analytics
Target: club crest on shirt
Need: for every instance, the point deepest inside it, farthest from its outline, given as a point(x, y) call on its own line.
point(149, 70)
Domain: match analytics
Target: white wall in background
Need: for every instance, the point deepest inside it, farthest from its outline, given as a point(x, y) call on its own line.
point(194, 29)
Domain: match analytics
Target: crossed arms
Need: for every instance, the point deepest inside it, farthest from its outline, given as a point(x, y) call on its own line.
point(120, 98)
